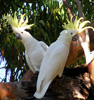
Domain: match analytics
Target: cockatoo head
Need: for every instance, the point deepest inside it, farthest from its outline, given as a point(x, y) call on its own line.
point(66, 36)
point(77, 26)
point(73, 28)
point(19, 26)
point(69, 33)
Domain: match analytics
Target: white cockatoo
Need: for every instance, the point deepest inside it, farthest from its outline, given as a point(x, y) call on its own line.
point(56, 55)
point(34, 49)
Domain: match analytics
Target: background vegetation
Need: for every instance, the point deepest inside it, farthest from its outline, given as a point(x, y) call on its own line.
point(48, 16)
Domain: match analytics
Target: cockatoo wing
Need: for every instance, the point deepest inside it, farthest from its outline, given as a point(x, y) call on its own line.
point(29, 62)
point(52, 65)
point(44, 45)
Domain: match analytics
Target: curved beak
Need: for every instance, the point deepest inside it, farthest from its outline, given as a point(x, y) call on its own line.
point(18, 36)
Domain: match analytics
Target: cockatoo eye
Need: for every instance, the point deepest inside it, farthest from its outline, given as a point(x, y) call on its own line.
point(22, 32)
point(71, 33)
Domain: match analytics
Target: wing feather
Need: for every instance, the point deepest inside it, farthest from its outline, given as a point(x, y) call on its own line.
point(29, 62)
point(52, 65)
point(44, 45)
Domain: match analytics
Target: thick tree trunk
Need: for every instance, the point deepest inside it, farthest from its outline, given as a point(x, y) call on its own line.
point(74, 83)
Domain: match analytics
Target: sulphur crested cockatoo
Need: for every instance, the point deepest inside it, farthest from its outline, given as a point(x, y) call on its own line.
point(56, 55)
point(34, 49)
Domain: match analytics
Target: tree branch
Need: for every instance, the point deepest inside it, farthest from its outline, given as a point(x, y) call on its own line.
point(75, 83)
point(69, 10)
point(79, 7)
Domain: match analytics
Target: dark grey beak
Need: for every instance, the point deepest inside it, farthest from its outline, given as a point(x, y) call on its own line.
point(75, 38)
point(18, 36)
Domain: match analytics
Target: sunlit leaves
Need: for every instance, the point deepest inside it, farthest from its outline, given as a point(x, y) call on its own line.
point(77, 25)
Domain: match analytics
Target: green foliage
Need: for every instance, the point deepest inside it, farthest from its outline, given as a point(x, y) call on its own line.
point(79, 62)
point(88, 9)
point(48, 16)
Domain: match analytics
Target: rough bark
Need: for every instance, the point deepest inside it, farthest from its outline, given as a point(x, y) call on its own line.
point(74, 84)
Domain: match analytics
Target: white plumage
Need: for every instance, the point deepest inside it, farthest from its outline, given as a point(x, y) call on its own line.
point(34, 49)
point(56, 55)
point(53, 62)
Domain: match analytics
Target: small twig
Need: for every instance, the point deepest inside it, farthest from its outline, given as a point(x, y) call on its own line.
point(78, 5)
point(69, 10)
point(3, 67)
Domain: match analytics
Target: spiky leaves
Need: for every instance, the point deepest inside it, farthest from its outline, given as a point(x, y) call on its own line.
point(77, 24)
point(19, 23)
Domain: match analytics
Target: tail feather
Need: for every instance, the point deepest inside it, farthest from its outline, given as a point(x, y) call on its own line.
point(41, 78)
point(39, 81)
point(40, 94)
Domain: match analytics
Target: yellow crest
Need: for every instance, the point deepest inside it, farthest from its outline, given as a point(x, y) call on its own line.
point(15, 22)
point(77, 24)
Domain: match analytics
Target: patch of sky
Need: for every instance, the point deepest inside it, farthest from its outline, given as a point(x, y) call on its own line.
point(2, 69)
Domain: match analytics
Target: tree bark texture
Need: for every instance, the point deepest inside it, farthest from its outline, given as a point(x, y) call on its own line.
point(75, 84)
